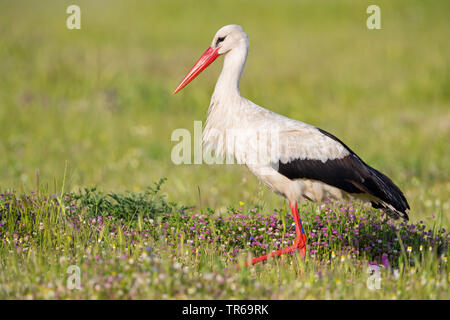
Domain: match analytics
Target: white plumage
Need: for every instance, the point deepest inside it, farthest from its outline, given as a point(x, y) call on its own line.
point(294, 159)
point(237, 120)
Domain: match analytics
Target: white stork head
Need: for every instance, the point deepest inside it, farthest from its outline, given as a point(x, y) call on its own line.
point(228, 39)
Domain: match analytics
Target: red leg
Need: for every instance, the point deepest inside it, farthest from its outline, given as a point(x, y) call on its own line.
point(299, 244)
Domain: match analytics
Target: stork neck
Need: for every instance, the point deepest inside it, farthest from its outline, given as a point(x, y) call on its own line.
point(233, 65)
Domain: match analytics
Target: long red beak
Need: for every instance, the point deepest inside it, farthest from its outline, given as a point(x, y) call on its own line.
point(205, 60)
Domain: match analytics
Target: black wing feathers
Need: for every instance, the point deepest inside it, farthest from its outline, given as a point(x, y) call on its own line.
point(350, 174)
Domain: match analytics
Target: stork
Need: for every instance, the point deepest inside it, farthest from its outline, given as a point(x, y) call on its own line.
point(310, 163)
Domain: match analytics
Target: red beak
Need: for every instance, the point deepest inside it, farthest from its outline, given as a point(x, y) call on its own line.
point(205, 60)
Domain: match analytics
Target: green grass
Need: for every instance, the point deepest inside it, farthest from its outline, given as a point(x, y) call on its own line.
point(98, 100)
point(125, 246)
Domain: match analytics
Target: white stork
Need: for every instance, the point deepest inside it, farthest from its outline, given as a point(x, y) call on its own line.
point(310, 163)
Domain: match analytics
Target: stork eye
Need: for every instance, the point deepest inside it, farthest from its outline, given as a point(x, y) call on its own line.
point(219, 40)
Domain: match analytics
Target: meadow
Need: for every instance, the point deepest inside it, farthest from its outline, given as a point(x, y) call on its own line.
point(86, 118)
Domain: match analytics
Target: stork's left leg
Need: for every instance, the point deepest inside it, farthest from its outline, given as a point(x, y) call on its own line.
point(299, 244)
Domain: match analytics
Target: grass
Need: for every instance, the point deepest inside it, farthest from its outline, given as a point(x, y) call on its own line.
point(93, 107)
point(175, 253)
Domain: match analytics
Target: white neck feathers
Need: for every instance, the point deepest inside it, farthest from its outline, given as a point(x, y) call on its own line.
point(233, 65)
point(226, 101)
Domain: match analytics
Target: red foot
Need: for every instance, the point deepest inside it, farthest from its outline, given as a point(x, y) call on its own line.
point(299, 244)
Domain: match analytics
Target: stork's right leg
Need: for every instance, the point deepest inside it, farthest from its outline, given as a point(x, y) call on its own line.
point(299, 244)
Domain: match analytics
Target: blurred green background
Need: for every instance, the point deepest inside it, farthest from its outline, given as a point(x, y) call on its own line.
point(100, 98)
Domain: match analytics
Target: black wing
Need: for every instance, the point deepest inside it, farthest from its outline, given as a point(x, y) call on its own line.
point(350, 174)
